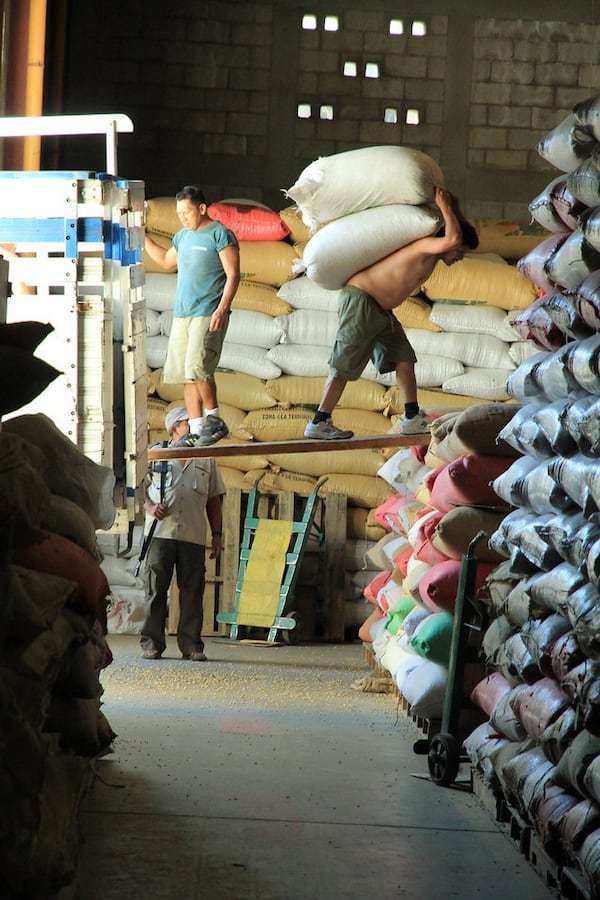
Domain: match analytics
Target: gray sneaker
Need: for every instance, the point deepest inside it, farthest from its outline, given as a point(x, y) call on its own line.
point(326, 431)
point(213, 430)
point(419, 424)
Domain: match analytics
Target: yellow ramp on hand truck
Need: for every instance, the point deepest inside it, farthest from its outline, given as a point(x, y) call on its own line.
point(259, 598)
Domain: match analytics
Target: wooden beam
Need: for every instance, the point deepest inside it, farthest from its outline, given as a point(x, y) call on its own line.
point(262, 448)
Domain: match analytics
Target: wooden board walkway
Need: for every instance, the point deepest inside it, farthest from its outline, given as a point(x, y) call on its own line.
point(262, 448)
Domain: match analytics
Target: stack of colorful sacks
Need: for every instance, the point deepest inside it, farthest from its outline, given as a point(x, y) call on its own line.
point(443, 500)
point(540, 747)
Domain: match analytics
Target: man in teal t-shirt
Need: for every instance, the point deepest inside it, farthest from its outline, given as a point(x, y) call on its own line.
point(207, 258)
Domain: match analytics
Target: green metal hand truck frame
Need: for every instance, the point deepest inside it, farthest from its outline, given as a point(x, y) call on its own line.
point(271, 554)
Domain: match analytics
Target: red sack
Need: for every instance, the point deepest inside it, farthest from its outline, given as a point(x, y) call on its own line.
point(249, 221)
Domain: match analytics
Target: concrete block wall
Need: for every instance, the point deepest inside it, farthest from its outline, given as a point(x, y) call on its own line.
point(214, 89)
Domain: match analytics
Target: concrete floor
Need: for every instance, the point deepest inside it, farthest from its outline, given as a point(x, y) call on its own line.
point(263, 775)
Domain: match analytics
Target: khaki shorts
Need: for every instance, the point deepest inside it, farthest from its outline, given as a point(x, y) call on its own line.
point(367, 332)
point(193, 352)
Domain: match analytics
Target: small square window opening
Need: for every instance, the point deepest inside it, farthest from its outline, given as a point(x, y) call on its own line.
point(371, 70)
point(326, 112)
point(350, 69)
point(412, 117)
point(396, 26)
point(419, 29)
point(390, 115)
point(332, 23)
point(304, 111)
point(309, 22)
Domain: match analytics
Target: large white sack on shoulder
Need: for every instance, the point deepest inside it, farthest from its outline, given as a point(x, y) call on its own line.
point(159, 290)
point(311, 327)
point(349, 244)
point(487, 352)
point(254, 328)
point(296, 359)
point(489, 384)
point(334, 186)
point(248, 360)
point(304, 293)
point(156, 350)
point(567, 144)
point(472, 319)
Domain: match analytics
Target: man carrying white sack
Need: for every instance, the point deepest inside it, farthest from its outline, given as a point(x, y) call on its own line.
point(369, 330)
point(207, 258)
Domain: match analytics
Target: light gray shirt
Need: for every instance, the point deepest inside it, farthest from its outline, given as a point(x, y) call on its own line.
point(188, 485)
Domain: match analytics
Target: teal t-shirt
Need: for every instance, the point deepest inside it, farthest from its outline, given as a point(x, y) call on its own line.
point(200, 274)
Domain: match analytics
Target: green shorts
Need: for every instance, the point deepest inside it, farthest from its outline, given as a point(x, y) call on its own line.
point(367, 332)
point(193, 351)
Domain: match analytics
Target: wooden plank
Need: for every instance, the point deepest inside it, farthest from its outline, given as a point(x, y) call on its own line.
point(255, 448)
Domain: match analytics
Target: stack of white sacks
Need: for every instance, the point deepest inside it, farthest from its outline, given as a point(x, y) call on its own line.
point(284, 319)
point(540, 745)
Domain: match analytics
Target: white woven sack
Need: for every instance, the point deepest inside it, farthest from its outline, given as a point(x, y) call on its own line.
point(344, 183)
point(357, 240)
point(255, 329)
point(159, 290)
point(295, 359)
point(488, 384)
point(487, 352)
point(156, 350)
point(152, 322)
point(470, 319)
point(311, 327)
point(304, 293)
point(249, 360)
point(424, 688)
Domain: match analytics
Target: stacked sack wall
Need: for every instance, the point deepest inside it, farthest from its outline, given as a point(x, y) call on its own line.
point(283, 322)
point(539, 748)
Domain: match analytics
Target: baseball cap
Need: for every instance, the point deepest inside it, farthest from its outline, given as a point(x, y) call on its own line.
point(177, 414)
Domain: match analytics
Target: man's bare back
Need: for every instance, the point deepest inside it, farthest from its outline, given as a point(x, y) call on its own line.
point(395, 277)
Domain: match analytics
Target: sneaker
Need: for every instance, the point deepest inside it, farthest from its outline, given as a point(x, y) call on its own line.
point(419, 424)
point(326, 431)
point(213, 430)
point(195, 656)
point(151, 654)
point(188, 440)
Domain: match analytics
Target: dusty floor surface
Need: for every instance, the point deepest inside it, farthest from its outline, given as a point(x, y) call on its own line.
point(263, 775)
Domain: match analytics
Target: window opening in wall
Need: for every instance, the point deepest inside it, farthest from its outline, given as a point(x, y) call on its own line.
point(350, 69)
point(332, 23)
point(390, 115)
point(326, 112)
point(304, 111)
point(418, 29)
point(371, 70)
point(396, 26)
point(309, 22)
point(412, 117)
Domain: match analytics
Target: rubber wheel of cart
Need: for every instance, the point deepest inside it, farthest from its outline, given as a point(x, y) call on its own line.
point(290, 635)
point(443, 759)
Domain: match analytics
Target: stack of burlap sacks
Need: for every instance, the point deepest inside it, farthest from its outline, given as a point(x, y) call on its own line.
point(283, 322)
point(53, 629)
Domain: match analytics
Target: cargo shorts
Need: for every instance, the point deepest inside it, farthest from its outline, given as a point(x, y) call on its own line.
point(366, 332)
point(193, 352)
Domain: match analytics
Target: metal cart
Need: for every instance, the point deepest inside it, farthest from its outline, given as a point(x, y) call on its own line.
point(444, 749)
point(270, 558)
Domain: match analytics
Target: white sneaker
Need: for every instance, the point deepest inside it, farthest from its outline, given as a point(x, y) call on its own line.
point(326, 431)
point(419, 424)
